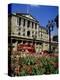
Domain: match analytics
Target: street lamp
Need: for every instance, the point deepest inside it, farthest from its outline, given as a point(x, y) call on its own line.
point(50, 26)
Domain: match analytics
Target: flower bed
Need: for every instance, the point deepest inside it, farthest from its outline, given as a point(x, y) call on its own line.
point(31, 64)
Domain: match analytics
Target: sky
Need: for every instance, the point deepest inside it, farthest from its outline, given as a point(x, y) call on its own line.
point(40, 12)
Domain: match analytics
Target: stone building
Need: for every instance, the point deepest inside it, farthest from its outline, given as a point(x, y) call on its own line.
point(24, 28)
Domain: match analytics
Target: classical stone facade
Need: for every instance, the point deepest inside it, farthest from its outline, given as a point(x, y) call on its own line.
point(24, 28)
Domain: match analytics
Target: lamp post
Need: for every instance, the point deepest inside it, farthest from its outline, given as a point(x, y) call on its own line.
point(50, 26)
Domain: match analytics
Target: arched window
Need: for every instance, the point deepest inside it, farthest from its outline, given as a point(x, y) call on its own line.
point(28, 33)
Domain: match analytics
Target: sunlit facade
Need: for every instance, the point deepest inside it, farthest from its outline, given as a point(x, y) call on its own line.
point(24, 28)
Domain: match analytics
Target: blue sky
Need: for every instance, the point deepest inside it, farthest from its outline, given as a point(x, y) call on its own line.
point(40, 12)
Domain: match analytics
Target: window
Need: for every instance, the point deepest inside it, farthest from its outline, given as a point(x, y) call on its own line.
point(28, 24)
point(24, 22)
point(28, 33)
point(23, 30)
point(32, 35)
point(19, 33)
point(23, 34)
point(32, 24)
point(40, 43)
point(36, 32)
point(19, 28)
point(19, 21)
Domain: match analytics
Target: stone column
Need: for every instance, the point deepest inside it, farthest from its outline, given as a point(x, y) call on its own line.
point(21, 21)
point(34, 29)
point(31, 29)
point(37, 31)
point(21, 26)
